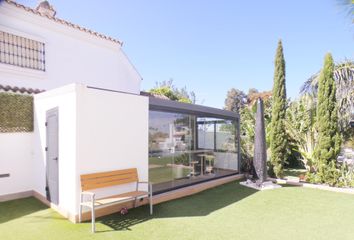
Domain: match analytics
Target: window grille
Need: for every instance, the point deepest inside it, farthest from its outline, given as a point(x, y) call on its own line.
point(22, 52)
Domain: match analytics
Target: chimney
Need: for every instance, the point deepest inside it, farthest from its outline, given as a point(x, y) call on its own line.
point(46, 9)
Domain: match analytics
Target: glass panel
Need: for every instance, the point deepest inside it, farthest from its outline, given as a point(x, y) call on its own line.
point(185, 149)
point(217, 140)
point(226, 153)
point(170, 144)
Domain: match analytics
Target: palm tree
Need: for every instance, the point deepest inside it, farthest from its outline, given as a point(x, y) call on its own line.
point(344, 77)
point(348, 7)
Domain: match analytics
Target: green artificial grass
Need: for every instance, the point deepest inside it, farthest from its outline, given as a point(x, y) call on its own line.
point(226, 212)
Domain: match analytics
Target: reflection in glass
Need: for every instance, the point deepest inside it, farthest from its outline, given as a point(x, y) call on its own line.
point(185, 149)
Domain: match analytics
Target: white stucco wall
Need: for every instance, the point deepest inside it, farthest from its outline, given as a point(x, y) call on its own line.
point(98, 131)
point(16, 159)
point(64, 99)
point(71, 56)
point(112, 134)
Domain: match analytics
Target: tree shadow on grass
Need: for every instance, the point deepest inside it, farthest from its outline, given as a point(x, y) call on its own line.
point(18, 208)
point(201, 204)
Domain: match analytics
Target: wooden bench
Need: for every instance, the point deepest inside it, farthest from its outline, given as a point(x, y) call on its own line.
point(109, 179)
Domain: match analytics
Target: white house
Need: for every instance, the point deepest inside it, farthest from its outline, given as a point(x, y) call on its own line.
point(92, 118)
point(42, 51)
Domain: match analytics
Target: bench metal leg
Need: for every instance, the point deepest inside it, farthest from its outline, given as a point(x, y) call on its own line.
point(80, 213)
point(80, 209)
point(136, 189)
point(93, 227)
point(150, 198)
point(135, 199)
point(150, 205)
point(93, 214)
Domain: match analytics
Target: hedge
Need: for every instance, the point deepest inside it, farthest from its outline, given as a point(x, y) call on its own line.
point(16, 113)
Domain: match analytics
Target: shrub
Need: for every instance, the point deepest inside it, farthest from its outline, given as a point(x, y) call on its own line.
point(333, 175)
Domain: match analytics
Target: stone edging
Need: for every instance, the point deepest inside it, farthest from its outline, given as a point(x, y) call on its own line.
point(315, 186)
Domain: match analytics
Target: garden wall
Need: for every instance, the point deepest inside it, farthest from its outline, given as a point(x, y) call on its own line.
point(16, 134)
point(15, 159)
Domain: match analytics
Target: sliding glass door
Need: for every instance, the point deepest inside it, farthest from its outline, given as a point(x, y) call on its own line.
point(170, 144)
point(186, 149)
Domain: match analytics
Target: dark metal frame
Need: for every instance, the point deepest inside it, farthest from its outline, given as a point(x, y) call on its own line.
point(163, 105)
point(214, 122)
point(193, 183)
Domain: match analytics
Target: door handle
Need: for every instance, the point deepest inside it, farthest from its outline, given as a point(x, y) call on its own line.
point(56, 158)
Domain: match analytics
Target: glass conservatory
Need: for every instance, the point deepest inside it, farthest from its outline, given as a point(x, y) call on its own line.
point(189, 144)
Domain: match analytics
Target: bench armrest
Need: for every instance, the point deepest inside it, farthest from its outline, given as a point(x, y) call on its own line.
point(149, 186)
point(144, 182)
point(88, 193)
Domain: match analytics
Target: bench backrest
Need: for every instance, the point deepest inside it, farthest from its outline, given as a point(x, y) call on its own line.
point(108, 179)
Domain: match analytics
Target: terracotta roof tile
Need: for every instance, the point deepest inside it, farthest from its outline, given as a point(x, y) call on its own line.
point(61, 21)
point(15, 89)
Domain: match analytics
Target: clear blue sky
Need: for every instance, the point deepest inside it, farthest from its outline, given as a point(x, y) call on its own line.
point(211, 46)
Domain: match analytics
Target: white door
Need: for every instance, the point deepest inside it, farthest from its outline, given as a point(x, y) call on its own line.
point(52, 158)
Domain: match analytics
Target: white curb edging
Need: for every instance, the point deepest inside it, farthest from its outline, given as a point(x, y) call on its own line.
point(315, 186)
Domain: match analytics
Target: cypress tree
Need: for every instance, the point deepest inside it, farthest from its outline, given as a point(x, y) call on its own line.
point(328, 143)
point(278, 135)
